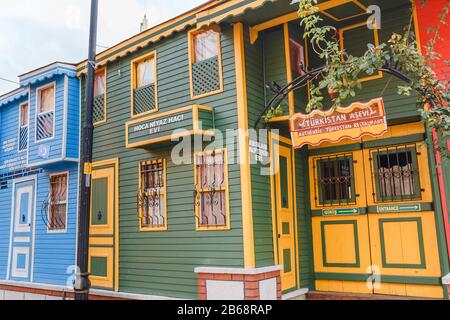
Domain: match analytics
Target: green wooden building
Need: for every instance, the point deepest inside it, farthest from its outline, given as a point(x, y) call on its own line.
point(173, 217)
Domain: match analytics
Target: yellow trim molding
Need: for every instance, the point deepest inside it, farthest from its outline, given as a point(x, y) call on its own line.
point(105, 71)
point(163, 228)
point(226, 189)
point(195, 124)
point(376, 43)
point(191, 47)
point(244, 155)
point(256, 29)
point(149, 56)
point(141, 37)
point(356, 2)
point(115, 163)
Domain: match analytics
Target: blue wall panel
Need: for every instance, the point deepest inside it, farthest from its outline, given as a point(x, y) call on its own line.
point(53, 252)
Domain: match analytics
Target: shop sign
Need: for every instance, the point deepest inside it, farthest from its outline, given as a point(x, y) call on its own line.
point(353, 122)
point(260, 151)
point(399, 208)
point(340, 212)
point(161, 127)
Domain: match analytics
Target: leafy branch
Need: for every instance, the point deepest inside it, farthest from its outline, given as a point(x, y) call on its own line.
point(342, 72)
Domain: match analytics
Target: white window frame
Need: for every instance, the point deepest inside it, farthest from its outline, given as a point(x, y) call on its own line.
point(20, 127)
point(62, 202)
point(23, 227)
point(37, 113)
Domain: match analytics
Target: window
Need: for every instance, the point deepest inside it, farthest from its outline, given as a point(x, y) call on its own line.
point(211, 190)
point(152, 195)
point(205, 62)
point(297, 54)
point(397, 174)
point(99, 115)
point(144, 85)
point(354, 39)
point(58, 202)
point(336, 186)
point(24, 121)
point(46, 112)
point(206, 45)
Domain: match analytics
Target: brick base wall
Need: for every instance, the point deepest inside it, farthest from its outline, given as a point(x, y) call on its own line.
point(8, 292)
point(251, 283)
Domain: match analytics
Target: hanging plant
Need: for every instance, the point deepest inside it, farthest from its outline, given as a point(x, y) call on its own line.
point(342, 71)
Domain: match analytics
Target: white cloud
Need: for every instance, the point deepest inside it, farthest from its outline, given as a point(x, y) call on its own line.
point(35, 33)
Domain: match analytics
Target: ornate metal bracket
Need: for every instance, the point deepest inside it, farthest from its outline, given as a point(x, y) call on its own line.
point(282, 92)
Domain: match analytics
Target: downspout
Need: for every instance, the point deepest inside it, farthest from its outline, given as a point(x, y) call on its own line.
point(443, 197)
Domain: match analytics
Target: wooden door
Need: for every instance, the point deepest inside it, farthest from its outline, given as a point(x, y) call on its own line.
point(23, 209)
point(102, 255)
point(285, 229)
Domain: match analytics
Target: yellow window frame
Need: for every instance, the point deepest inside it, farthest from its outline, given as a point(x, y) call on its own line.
point(424, 182)
point(105, 71)
point(200, 191)
point(164, 192)
point(376, 43)
point(191, 51)
point(149, 56)
point(358, 181)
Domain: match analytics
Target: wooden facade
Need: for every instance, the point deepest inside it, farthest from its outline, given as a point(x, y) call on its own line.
point(274, 220)
point(429, 16)
point(330, 218)
point(39, 136)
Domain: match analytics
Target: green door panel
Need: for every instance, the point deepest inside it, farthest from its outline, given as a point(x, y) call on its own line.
point(100, 201)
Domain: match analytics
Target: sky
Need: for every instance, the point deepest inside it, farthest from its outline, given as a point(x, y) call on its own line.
point(34, 33)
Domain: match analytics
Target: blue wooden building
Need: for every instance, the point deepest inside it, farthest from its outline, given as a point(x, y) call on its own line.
point(39, 151)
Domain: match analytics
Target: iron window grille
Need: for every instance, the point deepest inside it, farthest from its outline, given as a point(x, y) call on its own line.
point(45, 125)
point(54, 209)
point(211, 189)
point(395, 174)
point(23, 127)
point(152, 194)
point(334, 180)
point(46, 113)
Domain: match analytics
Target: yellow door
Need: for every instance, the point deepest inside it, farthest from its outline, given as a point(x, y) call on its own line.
point(402, 226)
point(374, 228)
point(102, 228)
point(285, 217)
point(340, 226)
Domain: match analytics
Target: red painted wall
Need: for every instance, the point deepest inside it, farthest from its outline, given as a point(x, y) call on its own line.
point(429, 17)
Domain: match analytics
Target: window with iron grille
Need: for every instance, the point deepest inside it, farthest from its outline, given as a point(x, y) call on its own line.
point(152, 195)
point(335, 183)
point(144, 85)
point(58, 202)
point(24, 122)
point(99, 109)
point(211, 190)
point(396, 173)
point(46, 113)
point(205, 62)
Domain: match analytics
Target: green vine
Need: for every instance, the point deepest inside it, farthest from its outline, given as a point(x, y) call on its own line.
point(342, 72)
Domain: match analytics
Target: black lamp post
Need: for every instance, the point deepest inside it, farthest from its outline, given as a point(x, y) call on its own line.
point(82, 283)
